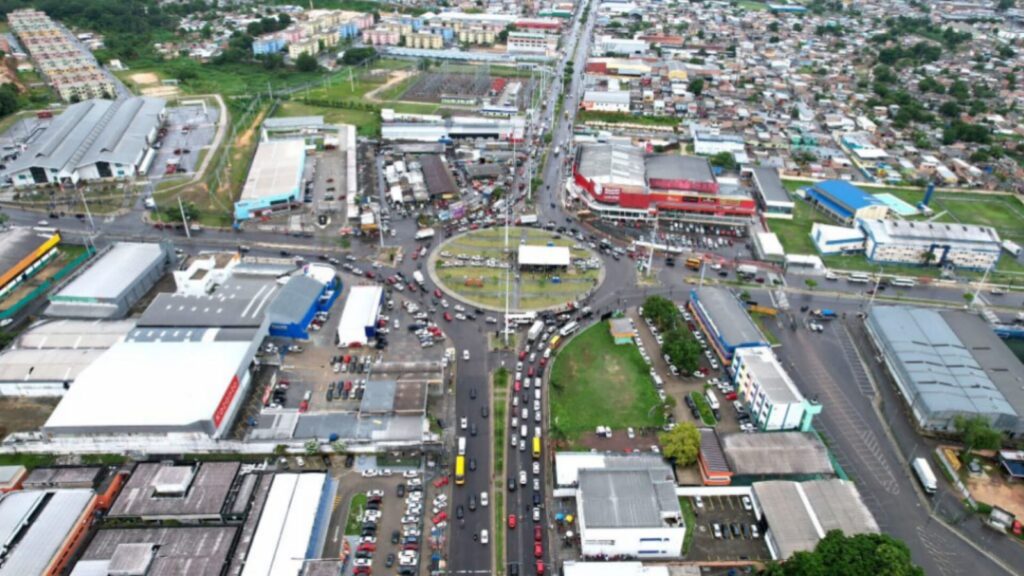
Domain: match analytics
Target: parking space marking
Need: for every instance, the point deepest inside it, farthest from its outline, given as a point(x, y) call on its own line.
point(938, 550)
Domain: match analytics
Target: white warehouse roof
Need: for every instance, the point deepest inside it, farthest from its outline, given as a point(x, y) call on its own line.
point(361, 310)
point(276, 169)
point(113, 271)
point(143, 386)
point(286, 524)
point(544, 256)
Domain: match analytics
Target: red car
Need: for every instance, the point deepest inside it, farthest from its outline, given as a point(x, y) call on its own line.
point(512, 521)
point(540, 567)
point(731, 396)
point(448, 316)
point(440, 517)
point(442, 481)
point(303, 406)
point(517, 386)
point(437, 293)
point(366, 547)
point(392, 280)
point(412, 287)
point(362, 570)
point(538, 550)
point(529, 372)
point(543, 361)
point(522, 355)
point(538, 534)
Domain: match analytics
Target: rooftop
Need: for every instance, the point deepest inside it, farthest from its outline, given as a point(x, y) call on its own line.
point(195, 551)
point(886, 231)
point(113, 272)
point(611, 164)
point(666, 167)
point(437, 175)
point(286, 524)
point(627, 497)
point(361, 310)
point(711, 451)
point(846, 195)
point(544, 255)
point(769, 374)
point(238, 303)
point(34, 525)
point(73, 477)
point(776, 454)
point(16, 244)
point(728, 316)
point(799, 514)
point(569, 464)
point(294, 300)
point(204, 496)
point(769, 185)
point(276, 170)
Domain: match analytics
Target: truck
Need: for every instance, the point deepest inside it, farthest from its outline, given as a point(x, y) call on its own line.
point(418, 277)
point(746, 270)
point(535, 330)
point(425, 234)
point(528, 220)
point(924, 474)
point(825, 314)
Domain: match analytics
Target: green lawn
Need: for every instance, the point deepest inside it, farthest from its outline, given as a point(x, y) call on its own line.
point(704, 408)
point(795, 234)
point(761, 320)
point(753, 6)
point(690, 518)
point(366, 122)
point(624, 118)
point(355, 510)
point(595, 382)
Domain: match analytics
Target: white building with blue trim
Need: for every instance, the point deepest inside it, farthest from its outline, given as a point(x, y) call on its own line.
point(964, 246)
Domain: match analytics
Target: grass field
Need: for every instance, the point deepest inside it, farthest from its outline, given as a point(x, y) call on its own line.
point(752, 6)
point(355, 510)
point(706, 415)
point(595, 382)
point(366, 122)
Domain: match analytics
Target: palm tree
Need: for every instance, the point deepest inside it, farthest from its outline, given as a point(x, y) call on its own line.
point(928, 257)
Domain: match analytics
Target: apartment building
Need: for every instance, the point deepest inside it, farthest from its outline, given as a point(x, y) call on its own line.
point(766, 389)
point(531, 43)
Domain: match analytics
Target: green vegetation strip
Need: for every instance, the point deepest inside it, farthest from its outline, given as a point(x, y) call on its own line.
point(355, 511)
point(595, 382)
point(584, 116)
point(690, 518)
point(706, 415)
point(500, 387)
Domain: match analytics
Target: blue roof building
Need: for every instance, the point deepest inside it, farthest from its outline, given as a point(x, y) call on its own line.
point(845, 202)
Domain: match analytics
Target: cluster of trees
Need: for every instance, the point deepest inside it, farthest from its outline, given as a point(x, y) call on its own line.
point(681, 444)
point(356, 56)
point(840, 555)
point(268, 24)
point(8, 102)
point(918, 53)
point(959, 131)
point(677, 341)
point(902, 26)
point(724, 160)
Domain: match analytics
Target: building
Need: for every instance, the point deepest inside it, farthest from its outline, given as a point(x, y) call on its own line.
point(11, 478)
point(275, 179)
point(707, 142)
point(91, 140)
point(714, 468)
point(768, 247)
point(622, 330)
point(613, 45)
point(282, 537)
point(930, 243)
point(113, 282)
point(947, 364)
point(543, 257)
point(63, 61)
point(358, 324)
point(772, 196)
point(532, 43)
point(583, 568)
point(438, 178)
point(298, 302)
point(188, 493)
point(23, 253)
point(620, 182)
point(726, 322)
point(606, 101)
point(42, 529)
point(845, 202)
point(800, 514)
point(629, 511)
point(199, 550)
point(428, 128)
point(768, 392)
point(776, 455)
point(829, 239)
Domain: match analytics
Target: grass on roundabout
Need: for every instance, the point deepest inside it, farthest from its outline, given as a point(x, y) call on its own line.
point(595, 382)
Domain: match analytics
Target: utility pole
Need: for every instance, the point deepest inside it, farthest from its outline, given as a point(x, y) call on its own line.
point(88, 214)
point(508, 209)
point(184, 220)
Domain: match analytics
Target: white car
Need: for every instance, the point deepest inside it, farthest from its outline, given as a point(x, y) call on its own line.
point(465, 355)
point(630, 433)
point(463, 423)
point(483, 499)
point(372, 493)
point(522, 478)
point(536, 484)
point(698, 501)
point(484, 539)
point(746, 503)
point(536, 468)
point(536, 514)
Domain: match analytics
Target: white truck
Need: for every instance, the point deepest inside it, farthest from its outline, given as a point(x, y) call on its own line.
point(425, 234)
point(418, 277)
point(925, 475)
point(535, 331)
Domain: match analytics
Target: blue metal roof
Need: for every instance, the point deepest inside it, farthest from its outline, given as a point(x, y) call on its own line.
point(844, 194)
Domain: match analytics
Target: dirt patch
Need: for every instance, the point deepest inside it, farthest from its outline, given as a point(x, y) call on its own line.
point(992, 489)
point(24, 414)
point(144, 78)
point(395, 77)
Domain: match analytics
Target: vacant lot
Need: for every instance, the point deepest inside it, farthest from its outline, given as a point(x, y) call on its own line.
point(595, 382)
point(24, 414)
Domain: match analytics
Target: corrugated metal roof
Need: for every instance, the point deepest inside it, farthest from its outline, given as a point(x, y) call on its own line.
point(926, 233)
point(276, 169)
point(627, 498)
point(674, 167)
point(776, 454)
point(46, 532)
point(711, 451)
point(114, 271)
point(769, 184)
point(294, 300)
point(612, 164)
point(728, 315)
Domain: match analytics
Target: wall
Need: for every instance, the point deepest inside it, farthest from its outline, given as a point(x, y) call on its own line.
point(640, 543)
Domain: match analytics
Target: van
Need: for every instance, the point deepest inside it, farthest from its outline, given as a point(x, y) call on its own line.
point(536, 393)
point(523, 431)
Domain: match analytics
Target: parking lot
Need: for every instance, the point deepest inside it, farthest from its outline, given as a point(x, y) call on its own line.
point(735, 537)
point(189, 130)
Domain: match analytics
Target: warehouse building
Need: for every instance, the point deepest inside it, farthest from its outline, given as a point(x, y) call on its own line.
point(725, 321)
point(629, 511)
point(23, 253)
point(297, 303)
point(114, 281)
point(358, 324)
point(569, 464)
point(931, 243)
point(606, 100)
point(275, 179)
point(439, 179)
point(800, 514)
point(583, 568)
point(768, 392)
point(196, 551)
point(95, 139)
point(429, 128)
point(286, 524)
point(42, 529)
point(714, 469)
point(771, 194)
point(947, 364)
point(183, 493)
point(845, 202)
point(790, 455)
point(829, 239)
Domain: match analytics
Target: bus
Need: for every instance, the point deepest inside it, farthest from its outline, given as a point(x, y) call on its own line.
point(460, 470)
point(902, 282)
point(555, 341)
point(536, 448)
point(925, 475)
point(693, 263)
point(569, 329)
point(858, 278)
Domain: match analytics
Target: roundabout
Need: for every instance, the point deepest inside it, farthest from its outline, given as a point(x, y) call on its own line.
point(542, 270)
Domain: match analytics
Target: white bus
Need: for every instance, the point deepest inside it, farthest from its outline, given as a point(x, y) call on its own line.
point(569, 329)
point(925, 475)
point(902, 282)
point(523, 318)
point(462, 445)
point(425, 234)
point(858, 278)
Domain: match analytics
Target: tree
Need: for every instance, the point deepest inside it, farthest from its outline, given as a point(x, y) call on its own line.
point(681, 444)
point(662, 312)
point(811, 283)
point(840, 555)
point(968, 297)
point(354, 56)
point(8, 99)
point(682, 349)
point(928, 257)
point(696, 86)
point(306, 62)
point(724, 160)
point(312, 447)
point(949, 109)
point(976, 432)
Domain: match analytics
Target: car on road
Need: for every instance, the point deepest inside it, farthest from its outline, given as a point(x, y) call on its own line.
point(484, 539)
point(465, 355)
point(538, 550)
point(463, 423)
point(512, 521)
point(483, 499)
point(448, 316)
point(484, 411)
point(522, 477)
point(747, 504)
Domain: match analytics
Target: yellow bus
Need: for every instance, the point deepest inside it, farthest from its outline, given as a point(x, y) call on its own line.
point(536, 448)
point(460, 470)
point(555, 341)
point(693, 263)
